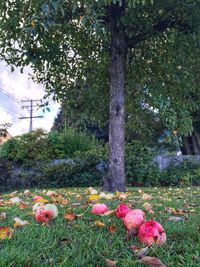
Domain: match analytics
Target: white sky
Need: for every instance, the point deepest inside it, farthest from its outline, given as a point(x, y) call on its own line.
point(21, 87)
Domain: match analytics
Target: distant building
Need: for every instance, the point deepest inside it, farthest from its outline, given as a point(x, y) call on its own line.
point(4, 136)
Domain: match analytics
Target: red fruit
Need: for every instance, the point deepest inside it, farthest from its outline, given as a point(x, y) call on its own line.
point(152, 233)
point(121, 210)
point(44, 215)
point(99, 209)
point(134, 219)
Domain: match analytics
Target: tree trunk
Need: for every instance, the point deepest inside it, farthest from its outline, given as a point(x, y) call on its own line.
point(187, 146)
point(196, 150)
point(115, 179)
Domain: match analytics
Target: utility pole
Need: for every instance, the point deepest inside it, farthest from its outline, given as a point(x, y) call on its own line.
point(30, 107)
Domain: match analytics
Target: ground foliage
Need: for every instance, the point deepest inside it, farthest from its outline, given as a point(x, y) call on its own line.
point(79, 238)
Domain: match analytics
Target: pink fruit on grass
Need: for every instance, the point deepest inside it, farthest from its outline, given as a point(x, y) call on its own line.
point(99, 209)
point(121, 210)
point(43, 215)
point(152, 232)
point(134, 219)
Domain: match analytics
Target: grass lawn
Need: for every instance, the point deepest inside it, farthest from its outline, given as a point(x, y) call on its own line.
point(80, 242)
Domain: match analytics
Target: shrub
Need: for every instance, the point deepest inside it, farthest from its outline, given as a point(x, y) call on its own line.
point(139, 166)
point(79, 173)
point(5, 173)
point(40, 146)
point(184, 174)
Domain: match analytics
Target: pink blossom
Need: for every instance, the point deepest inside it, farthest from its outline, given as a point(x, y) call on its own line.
point(121, 210)
point(99, 209)
point(152, 232)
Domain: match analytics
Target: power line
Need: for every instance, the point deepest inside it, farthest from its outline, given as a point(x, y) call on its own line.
point(4, 109)
point(31, 117)
point(10, 96)
point(8, 109)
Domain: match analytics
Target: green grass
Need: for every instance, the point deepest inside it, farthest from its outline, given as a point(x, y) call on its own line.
point(79, 243)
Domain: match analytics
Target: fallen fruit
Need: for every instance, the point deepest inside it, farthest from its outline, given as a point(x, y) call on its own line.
point(152, 232)
point(99, 209)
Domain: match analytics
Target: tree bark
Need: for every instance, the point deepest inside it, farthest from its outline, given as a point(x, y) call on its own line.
point(196, 149)
point(187, 146)
point(115, 179)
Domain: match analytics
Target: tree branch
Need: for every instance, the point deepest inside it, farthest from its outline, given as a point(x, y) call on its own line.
point(159, 27)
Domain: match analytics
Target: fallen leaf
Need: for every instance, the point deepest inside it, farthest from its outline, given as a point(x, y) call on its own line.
point(19, 222)
point(22, 205)
point(6, 232)
point(147, 206)
point(142, 252)
point(2, 216)
point(146, 197)
point(70, 216)
point(175, 219)
point(110, 263)
point(42, 200)
point(93, 197)
point(135, 248)
point(112, 229)
point(13, 193)
point(152, 261)
point(122, 196)
point(27, 192)
point(15, 200)
point(109, 212)
point(99, 224)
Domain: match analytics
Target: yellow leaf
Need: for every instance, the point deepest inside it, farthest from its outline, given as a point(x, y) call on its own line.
point(94, 197)
point(42, 200)
point(6, 232)
point(99, 224)
point(19, 222)
point(33, 24)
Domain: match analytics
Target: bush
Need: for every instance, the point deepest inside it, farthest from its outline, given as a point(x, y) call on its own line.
point(79, 173)
point(139, 166)
point(5, 173)
point(40, 146)
point(183, 174)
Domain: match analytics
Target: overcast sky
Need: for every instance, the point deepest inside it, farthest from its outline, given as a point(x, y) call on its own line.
point(18, 86)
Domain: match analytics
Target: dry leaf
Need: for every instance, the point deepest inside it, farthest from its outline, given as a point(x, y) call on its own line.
point(109, 212)
point(147, 206)
point(142, 252)
point(70, 216)
point(22, 205)
point(152, 261)
point(110, 263)
point(99, 224)
point(19, 222)
point(2, 216)
point(112, 229)
point(175, 219)
point(146, 197)
point(6, 232)
point(135, 248)
point(14, 200)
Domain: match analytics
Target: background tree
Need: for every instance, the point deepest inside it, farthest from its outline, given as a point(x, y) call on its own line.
point(87, 50)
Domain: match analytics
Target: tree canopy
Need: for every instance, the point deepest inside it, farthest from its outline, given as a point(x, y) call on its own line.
point(85, 51)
